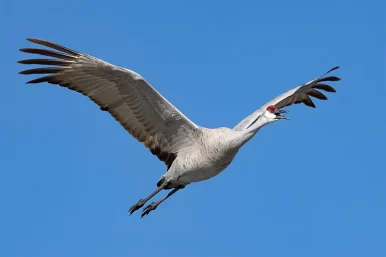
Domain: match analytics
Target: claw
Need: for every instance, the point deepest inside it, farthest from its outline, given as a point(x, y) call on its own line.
point(136, 206)
point(148, 209)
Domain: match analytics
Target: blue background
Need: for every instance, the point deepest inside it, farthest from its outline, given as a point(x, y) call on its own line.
point(311, 186)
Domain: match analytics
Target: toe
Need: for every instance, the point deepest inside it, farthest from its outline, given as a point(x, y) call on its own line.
point(136, 206)
point(148, 209)
point(145, 213)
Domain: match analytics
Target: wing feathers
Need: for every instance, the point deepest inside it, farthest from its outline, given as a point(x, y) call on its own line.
point(317, 94)
point(307, 101)
point(53, 45)
point(42, 79)
point(303, 92)
point(134, 103)
point(300, 94)
point(331, 78)
point(325, 87)
point(47, 53)
point(42, 70)
point(46, 62)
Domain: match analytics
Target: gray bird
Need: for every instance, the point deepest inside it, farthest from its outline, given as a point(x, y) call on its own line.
point(191, 153)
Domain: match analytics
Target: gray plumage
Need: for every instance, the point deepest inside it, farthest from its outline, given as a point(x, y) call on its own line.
point(191, 153)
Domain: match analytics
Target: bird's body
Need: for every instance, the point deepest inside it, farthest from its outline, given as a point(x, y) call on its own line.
point(191, 153)
point(212, 153)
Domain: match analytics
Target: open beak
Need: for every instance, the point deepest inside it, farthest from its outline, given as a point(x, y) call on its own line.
point(279, 116)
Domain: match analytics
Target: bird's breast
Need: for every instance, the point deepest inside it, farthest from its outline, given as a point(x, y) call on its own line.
point(203, 165)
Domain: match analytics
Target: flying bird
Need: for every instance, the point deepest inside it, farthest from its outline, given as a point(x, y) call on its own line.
point(191, 153)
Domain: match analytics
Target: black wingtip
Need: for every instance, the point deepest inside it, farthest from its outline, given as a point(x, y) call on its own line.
point(53, 46)
point(332, 69)
point(335, 68)
point(330, 78)
point(24, 50)
point(333, 78)
point(33, 40)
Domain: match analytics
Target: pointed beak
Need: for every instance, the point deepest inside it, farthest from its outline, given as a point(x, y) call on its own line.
point(279, 116)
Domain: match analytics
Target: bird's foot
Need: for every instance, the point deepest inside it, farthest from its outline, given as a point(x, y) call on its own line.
point(137, 206)
point(149, 208)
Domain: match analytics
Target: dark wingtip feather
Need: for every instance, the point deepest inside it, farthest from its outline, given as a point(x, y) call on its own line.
point(53, 45)
point(47, 52)
point(34, 40)
point(307, 101)
point(46, 62)
point(30, 39)
point(325, 87)
point(49, 79)
point(317, 94)
point(42, 70)
point(330, 78)
point(24, 50)
point(335, 68)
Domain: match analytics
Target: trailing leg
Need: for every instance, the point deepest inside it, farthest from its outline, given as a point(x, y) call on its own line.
point(141, 202)
point(154, 205)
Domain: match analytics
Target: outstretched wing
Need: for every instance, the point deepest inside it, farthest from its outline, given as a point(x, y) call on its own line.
point(300, 94)
point(132, 101)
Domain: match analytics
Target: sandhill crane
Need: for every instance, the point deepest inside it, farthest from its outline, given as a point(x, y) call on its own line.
point(191, 153)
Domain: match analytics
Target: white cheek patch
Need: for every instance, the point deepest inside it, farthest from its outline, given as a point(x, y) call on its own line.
point(270, 115)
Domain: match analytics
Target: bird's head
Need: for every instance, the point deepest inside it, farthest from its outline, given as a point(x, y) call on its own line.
point(273, 113)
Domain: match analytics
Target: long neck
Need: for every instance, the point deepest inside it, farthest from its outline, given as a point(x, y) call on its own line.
point(245, 135)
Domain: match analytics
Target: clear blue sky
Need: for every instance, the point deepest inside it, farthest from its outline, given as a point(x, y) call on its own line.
point(314, 186)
